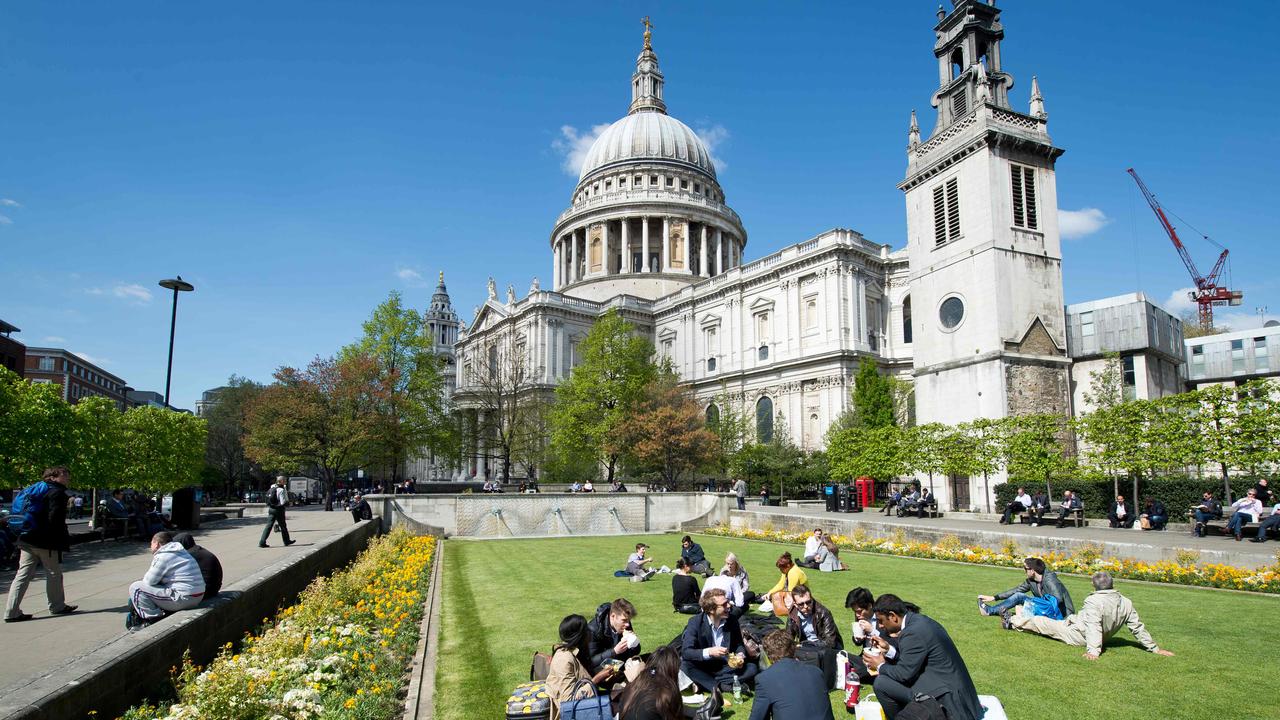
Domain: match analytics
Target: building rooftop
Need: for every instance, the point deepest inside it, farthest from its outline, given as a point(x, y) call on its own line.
point(6, 328)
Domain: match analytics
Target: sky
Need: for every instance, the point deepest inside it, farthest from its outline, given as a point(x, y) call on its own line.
point(298, 161)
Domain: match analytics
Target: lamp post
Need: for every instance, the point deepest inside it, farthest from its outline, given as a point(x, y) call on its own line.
point(177, 285)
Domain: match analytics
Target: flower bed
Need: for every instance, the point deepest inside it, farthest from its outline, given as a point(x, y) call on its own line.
point(1085, 561)
point(341, 651)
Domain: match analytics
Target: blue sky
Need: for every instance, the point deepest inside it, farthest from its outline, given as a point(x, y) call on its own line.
point(297, 161)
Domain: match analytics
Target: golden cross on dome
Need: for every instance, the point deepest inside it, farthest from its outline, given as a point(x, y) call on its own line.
point(648, 32)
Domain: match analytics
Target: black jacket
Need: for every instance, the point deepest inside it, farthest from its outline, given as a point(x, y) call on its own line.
point(1128, 509)
point(1212, 506)
point(791, 690)
point(697, 637)
point(362, 511)
point(927, 662)
point(693, 553)
point(684, 590)
point(824, 625)
point(1051, 585)
point(603, 639)
point(50, 531)
point(1263, 493)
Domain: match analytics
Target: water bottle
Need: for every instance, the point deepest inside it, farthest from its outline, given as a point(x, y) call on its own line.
point(737, 689)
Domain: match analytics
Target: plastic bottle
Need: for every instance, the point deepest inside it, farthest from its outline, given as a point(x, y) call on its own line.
point(737, 689)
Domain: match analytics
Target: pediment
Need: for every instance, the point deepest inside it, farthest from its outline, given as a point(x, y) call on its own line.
point(709, 320)
point(1036, 340)
point(761, 304)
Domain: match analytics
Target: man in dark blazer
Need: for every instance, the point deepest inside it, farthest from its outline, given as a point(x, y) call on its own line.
point(1121, 515)
point(925, 662)
point(788, 689)
point(709, 639)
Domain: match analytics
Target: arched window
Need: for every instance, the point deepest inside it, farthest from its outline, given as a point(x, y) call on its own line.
point(764, 420)
point(957, 63)
point(713, 416)
point(906, 319)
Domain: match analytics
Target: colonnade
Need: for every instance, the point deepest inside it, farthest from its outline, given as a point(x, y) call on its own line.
point(647, 244)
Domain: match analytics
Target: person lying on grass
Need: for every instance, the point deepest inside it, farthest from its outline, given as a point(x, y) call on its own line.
point(1103, 613)
point(1041, 583)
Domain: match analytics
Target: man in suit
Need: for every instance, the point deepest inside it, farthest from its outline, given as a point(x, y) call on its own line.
point(1121, 515)
point(789, 689)
point(709, 639)
point(925, 662)
point(1070, 503)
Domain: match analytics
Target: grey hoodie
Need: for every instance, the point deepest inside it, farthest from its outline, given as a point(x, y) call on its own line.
point(173, 567)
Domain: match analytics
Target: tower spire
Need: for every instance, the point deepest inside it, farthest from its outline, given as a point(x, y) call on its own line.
point(646, 82)
point(1037, 101)
point(913, 134)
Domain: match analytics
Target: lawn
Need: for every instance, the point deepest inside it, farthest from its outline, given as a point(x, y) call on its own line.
point(504, 599)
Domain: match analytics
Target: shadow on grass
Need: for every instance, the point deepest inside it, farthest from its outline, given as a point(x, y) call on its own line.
point(468, 623)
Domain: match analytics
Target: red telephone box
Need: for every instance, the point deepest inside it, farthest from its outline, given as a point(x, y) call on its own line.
point(866, 491)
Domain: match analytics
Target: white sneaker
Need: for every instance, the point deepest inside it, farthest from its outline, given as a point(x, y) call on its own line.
point(1035, 524)
point(650, 574)
point(639, 578)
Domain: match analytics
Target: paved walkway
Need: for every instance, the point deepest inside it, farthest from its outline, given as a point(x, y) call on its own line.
point(97, 577)
point(1134, 543)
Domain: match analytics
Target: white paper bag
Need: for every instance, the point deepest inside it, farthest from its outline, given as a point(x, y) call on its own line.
point(842, 668)
point(869, 708)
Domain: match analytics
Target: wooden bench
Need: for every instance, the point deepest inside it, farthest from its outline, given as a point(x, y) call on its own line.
point(1220, 524)
point(106, 522)
point(1074, 517)
point(931, 511)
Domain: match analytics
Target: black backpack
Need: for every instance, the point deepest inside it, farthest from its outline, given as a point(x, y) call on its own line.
point(924, 707)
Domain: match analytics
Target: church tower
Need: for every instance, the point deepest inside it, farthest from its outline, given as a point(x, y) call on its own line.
point(443, 327)
point(982, 238)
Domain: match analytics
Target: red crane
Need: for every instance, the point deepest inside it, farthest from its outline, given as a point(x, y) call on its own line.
point(1208, 292)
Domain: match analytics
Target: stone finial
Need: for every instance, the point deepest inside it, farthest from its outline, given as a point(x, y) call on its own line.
point(913, 134)
point(984, 84)
point(1037, 101)
point(535, 286)
point(511, 294)
point(942, 14)
point(493, 289)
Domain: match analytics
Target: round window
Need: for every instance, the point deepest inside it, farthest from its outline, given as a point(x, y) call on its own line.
point(951, 312)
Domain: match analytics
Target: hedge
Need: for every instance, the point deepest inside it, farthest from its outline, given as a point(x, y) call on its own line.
point(1177, 493)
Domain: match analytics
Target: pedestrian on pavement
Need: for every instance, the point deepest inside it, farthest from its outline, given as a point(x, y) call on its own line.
point(740, 491)
point(77, 504)
point(39, 519)
point(277, 501)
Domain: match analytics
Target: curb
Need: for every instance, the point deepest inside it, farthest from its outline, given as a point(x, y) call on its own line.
point(419, 703)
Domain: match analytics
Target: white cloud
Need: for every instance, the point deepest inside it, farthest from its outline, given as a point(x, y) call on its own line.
point(6, 220)
point(410, 277)
point(53, 339)
point(10, 202)
point(1074, 224)
point(574, 146)
point(93, 291)
point(713, 137)
point(100, 361)
point(132, 292)
point(1179, 302)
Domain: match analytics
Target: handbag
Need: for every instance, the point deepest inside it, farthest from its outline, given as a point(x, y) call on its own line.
point(591, 707)
point(868, 708)
point(1145, 522)
point(529, 701)
point(540, 667)
point(710, 708)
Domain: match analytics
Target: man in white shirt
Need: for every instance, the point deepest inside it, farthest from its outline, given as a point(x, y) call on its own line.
point(732, 588)
point(811, 546)
point(1020, 503)
point(1242, 512)
point(1271, 523)
point(636, 564)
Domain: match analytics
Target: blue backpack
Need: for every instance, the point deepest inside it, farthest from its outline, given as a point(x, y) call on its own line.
point(29, 509)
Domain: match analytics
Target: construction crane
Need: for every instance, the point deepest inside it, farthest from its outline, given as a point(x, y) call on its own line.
point(1208, 292)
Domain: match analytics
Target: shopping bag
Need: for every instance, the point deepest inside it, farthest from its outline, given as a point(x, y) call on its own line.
point(869, 709)
point(842, 668)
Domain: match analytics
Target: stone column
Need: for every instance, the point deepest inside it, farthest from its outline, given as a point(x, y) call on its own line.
point(604, 238)
point(666, 244)
point(626, 247)
point(555, 272)
point(644, 244)
point(702, 255)
point(573, 257)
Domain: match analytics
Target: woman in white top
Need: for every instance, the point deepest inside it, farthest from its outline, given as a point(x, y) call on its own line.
point(734, 569)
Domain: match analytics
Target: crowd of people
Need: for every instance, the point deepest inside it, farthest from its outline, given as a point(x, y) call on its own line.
point(910, 499)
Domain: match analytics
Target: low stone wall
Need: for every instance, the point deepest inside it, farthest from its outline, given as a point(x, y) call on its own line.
point(119, 673)
point(1114, 543)
point(550, 514)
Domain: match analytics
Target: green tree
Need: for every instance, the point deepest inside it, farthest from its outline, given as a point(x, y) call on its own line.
point(224, 449)
point(1033, 448)
point(407, 387)
point(988, 450)
point(876, 452)
point(926, 448)
point(873, 405)
point(35, 429)
point(617, 365)
point(164, 449)
point(667, 431)
point(100, 446)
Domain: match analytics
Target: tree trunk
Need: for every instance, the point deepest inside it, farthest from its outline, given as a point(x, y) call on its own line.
point(327, 476)
point(986, 490)
point(1226, 484)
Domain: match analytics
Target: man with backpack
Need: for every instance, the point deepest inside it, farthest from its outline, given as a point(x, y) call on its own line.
point(38, 518)
point(277, 500)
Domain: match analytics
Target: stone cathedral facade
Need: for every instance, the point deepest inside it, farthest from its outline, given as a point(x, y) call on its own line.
point(970, 310)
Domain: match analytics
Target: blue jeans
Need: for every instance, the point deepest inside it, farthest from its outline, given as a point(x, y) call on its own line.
point(1238, 521)
point(1013, 600)
point(1202, 517)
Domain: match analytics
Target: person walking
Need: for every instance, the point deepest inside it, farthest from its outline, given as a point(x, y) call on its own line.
point(39, 520)
point(740, 491)
point(277, 501)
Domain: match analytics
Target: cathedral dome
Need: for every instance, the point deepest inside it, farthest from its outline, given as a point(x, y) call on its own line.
point(648, 136)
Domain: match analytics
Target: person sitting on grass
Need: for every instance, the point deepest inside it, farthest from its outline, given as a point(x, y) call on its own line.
point(1271, 523)
point(1018, 505)
point(1242, 512)
point(655, 693)
point(1155, 513)
point(811, 546)
point(611, 635)
point(734, 569)
point(210, 567)
point(1208, 509)
point(788, 689)
point(684, 589)
point(1103, 613)
point(1040, 583)
point(566, 669)
point(172, 583)
point(636, 564)
point(1070, 503)
point(828, 557)
point(814, 631)
point(1121, 515)
point(778, 599)
point(732, 590)
point(692, 551)
point(711, 648)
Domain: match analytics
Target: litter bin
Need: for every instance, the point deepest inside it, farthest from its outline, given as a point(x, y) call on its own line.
point(186, 510)
point(829, 492)
point(842, 498)
point(855, 504)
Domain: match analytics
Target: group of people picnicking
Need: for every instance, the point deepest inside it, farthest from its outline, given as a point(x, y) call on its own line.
point(181, 575)
point(893, 646)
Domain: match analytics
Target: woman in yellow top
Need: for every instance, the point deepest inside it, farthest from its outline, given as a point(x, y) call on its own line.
point(779, 596)
point(566, 669)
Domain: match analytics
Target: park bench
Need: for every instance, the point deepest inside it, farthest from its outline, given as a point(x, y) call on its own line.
point(1220, 524)
point(931, 511)
point(1050, 517)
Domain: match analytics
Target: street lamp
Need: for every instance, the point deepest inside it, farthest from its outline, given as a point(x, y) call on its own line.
point(177, 285)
